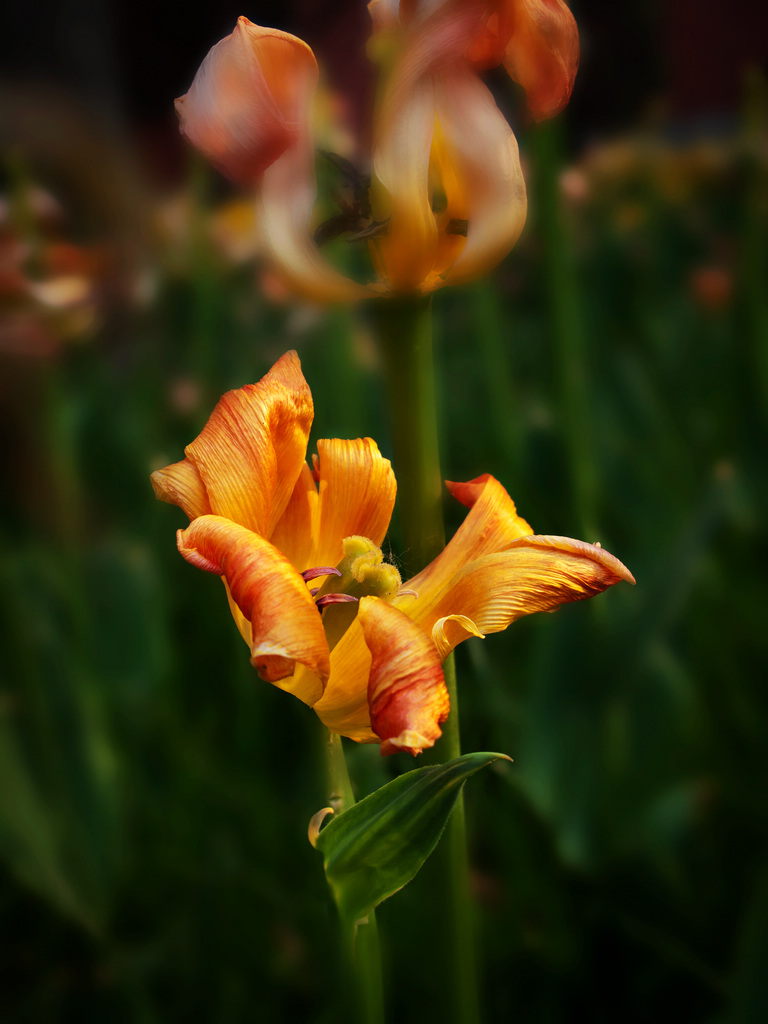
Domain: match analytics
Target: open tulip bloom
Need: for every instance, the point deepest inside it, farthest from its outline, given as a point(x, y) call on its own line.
point(448, 199)
point(324, 616)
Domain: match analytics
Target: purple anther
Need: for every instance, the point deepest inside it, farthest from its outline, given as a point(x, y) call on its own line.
point(320, 570)
point(321, 602)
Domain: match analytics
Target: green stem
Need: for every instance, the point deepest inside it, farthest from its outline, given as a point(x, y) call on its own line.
point(361, 955)
point(404, 330)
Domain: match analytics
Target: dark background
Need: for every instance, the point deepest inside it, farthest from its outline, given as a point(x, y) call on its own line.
point(153, 796)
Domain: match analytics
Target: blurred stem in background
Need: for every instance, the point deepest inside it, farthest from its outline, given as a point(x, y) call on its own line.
point(566, 325)
point(403, 329)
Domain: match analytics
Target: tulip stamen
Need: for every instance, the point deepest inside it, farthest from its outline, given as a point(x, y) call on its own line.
point(319, 570)
point(326, 599)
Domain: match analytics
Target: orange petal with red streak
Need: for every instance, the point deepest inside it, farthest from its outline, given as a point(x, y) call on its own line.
point(543, 54)
point(250, 452)
point(286, 626)
point(535, 574)
point(407, 694)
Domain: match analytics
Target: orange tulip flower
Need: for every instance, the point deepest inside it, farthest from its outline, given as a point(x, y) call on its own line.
point(363, 650)
point(448, 199)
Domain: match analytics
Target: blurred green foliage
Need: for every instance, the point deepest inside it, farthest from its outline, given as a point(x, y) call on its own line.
point(613, 373)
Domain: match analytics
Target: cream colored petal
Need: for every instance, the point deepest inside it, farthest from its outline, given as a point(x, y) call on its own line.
point(543, 54)
point(406, 251)
point(181, 484)
point(249, 101)
point(357, 495)
point(491, 525)
point(535, 574)
point(250, 453)
point(284, 214)
point(483, 153)
point(407, 694)
point(286, 627)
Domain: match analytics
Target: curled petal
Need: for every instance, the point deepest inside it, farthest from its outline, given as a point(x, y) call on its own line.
point(407, 694)
point(271, 595)
point(484, 156)
point(357, 495)
point(543, 54)
point(249, 101)
point(535, 574)
point(447, 625)
point(250, 452)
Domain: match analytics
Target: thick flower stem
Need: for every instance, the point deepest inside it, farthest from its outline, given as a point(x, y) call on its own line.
point(403, 329)
point(361, 957)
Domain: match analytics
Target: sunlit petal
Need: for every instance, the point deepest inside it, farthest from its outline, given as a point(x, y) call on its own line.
point(250, 452)
point(535, 574)
point(406, 691)
point(357, 494)
point(249, 101)
point(491, 525)
point(181, 484)
point(286, 626)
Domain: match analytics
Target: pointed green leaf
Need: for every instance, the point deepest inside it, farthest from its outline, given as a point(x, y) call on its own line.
point(377, 846)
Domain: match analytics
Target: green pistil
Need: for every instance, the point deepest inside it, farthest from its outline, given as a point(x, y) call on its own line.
point(364, 573)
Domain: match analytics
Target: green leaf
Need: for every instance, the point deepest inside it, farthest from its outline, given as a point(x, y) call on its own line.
point(377, 846)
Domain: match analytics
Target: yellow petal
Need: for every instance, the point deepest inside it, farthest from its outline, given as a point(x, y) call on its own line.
point(535, 574)
point(286, 626)
point(483, 154)
point(357, 494)
point(407, 694)
point(250, 452)
point(343, 708)
point(249, 101)
point(543, 54)
point(492, 524)
point(451, 630)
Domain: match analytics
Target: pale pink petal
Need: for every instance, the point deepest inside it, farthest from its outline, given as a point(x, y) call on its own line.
point(249, 101)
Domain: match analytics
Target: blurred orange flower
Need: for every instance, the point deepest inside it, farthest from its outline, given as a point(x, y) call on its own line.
point(362, 650)
point(448, 197)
